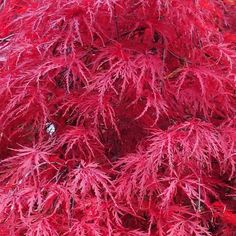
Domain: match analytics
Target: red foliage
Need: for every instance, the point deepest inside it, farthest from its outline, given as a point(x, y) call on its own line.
point(118, 117)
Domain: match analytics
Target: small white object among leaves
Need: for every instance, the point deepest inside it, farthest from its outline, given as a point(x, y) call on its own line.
point(50, 128)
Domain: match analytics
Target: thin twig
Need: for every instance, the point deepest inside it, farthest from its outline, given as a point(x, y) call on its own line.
point(116, 23)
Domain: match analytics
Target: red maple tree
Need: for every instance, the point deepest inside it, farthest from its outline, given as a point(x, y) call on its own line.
point(118, 117)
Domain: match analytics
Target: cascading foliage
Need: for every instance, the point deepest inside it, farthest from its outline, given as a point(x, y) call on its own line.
point(118, 118)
